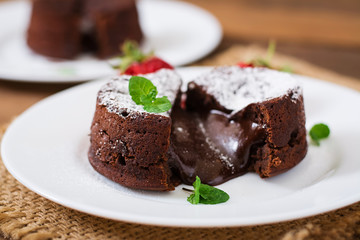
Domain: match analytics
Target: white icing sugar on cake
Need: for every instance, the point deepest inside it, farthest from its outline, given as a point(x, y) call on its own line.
point(235, 88)
point(115, 94)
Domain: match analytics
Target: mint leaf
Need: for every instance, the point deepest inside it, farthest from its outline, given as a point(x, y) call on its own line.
point(124, 64)
point(191, 199)
point(206, 194)
point(159, 105)
point(141, 90)
point(271, 50)
point(212, 195)
point(149, 98)
point(195, 197)
point(319, 131)
point(260, 62)
point(131, 54)
point(266, 61)
point(286, 68)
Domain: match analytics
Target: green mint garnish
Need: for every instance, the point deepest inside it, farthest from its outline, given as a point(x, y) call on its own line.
point(271, 50)
point(261, 62)
point(159, 105)
point(206, 194)
point(286, 68)
point(319, 131)
point(266, 62)
point(131, 53)
point(143, 92)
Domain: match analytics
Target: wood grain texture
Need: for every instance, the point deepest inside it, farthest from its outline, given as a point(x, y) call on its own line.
point(16, 97)
point(332, 23)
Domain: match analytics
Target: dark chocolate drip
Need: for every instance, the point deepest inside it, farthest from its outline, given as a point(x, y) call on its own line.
point(211, 145)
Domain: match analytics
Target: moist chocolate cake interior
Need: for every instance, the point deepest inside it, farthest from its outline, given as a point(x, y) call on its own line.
point(212, 144)
point(217, 141)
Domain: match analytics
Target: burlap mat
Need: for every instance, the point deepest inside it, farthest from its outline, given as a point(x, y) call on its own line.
point(26, 215)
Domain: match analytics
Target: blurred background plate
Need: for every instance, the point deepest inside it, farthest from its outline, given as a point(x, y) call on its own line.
point(179, 32)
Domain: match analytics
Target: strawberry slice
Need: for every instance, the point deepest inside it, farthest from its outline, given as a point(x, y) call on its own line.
point(135, 62)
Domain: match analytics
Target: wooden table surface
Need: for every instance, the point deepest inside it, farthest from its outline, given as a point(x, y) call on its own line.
point(325, 33)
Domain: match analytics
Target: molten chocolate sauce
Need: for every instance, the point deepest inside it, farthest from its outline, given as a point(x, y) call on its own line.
point(211, 145)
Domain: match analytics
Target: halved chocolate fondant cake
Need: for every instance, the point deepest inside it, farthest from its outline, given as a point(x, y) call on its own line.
point(63, 29)
point(234, 120)
point(241, 120)
point(128, 144)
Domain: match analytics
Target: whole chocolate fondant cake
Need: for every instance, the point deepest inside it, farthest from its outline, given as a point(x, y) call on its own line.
point(63, 29)
point(230, 121)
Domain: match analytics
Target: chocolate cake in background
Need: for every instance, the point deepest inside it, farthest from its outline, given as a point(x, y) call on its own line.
point(232, 121)
point(66, 28)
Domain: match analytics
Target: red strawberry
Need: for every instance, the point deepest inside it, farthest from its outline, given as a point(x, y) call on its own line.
point(134, 62)
point(147, 66)
point(244, 64)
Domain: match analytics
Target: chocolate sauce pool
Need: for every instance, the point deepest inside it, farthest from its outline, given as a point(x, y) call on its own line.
point(211, 145)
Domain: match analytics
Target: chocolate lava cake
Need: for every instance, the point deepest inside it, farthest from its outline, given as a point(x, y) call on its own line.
point(230, 121)
point(128, 144)
point(66, 28)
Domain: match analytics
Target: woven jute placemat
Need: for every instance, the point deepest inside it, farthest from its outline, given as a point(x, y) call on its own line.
point(26, 215)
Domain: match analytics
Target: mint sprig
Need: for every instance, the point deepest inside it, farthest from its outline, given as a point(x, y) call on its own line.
point(206, 194)
point(158, 105)
point(144, 92)
point(131, 53)
point(318, 132)
point(266, 61)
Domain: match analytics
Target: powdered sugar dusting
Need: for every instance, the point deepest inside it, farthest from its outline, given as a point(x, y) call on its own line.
point(235, 87)
point(115, 94)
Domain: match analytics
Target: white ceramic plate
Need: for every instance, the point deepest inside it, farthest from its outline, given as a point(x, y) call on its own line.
point(179, 32)
point(46, 150)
